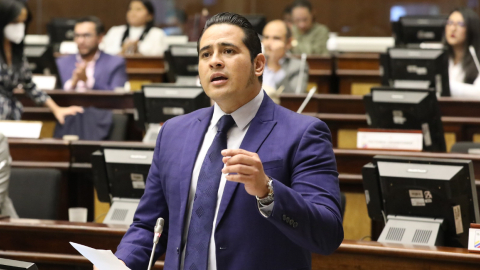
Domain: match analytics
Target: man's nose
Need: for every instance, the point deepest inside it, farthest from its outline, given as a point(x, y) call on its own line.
point(216, 61)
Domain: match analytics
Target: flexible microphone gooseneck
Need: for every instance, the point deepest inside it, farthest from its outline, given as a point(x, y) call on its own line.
point(157, 232)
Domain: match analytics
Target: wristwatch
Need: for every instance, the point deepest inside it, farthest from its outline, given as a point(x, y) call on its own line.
point(269, 198)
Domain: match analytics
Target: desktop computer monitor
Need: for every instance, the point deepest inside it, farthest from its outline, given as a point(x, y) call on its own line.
point(119, 176)
point(41, 61)
point(59, 30)
point(416, 68)
point(427, 201)
point(407, 109)
point(414, 30)
point(182, 62)
point(257, 21)
point(156, 103)
point(6, 264)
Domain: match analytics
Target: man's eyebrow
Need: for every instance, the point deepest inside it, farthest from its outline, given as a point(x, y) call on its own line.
point(205, 47)
point(226, 44)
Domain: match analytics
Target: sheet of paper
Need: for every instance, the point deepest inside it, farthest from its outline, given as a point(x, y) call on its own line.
point(102, 259)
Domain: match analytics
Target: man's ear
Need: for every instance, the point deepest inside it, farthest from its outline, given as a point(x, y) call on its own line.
point(259, 64)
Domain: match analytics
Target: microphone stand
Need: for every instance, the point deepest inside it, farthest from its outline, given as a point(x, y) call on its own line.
point(157, 233)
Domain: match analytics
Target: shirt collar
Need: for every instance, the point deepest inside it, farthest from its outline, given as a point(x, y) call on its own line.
point(243, 115)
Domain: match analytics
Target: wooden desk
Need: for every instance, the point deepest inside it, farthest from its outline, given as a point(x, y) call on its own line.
point(97, 98)
point(47, 242)
point(357, 71)
point(353, 104)
point(378, 256)
point(320, 72)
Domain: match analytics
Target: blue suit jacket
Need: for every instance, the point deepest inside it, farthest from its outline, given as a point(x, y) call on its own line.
point(296, 152)
point(110, 70)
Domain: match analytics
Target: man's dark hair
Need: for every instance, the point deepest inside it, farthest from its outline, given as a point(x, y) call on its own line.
point(250, 39)
point(99, 28)
point(302, 3)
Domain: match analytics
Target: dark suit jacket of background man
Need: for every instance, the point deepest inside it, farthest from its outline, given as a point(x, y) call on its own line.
point(296, 152)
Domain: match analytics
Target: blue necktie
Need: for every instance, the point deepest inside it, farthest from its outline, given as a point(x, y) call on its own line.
point(205, 201)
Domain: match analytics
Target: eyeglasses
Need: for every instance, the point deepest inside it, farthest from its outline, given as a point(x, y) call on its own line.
point(459, 24)
point(85, 36)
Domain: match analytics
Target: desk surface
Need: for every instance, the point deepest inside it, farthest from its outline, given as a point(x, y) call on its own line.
point(53, 236)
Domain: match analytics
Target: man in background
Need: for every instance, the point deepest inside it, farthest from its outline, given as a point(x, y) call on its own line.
point(281, 69)
point(91, 68)
point(309, 36)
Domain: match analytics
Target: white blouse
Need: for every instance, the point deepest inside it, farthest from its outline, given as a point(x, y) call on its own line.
point(153, 44)
point(458, 88)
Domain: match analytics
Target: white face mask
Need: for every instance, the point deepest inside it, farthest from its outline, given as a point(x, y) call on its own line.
point(15, 32)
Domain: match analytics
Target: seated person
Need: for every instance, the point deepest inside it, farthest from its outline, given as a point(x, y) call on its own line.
point(6, 205)
point(138, 35)
point(280, 68)
point(309, 37)
point(463, 30)
point(91, 68)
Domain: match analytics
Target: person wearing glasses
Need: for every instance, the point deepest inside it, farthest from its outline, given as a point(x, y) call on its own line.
point(462, 31)
point(91, 68)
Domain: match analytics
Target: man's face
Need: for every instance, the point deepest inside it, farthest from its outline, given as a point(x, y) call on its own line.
point(86, 38)
point(275, 40)
point(224, 67)
point(302, 18)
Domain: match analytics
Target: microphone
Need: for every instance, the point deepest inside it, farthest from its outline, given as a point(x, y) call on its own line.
point(303, 63)
point(157, 232)
point(307, 99)
point(474, 56)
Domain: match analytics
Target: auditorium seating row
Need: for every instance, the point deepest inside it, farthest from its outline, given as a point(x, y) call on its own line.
point(347, 73)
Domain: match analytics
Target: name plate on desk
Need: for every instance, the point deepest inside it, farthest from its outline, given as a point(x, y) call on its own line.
point(21, 129)
point(474, 240)
point(411, 140)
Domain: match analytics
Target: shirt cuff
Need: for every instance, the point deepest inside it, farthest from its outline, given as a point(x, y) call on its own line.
point(265, 210)
point(68, 85)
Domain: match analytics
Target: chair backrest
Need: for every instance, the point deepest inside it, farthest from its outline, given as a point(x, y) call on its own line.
point(35, 192)
point(118, 131)
point(463, 147)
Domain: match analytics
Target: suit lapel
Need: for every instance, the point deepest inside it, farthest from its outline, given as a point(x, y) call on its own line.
point(98, 71)
point(192, 144)
point(260, 127)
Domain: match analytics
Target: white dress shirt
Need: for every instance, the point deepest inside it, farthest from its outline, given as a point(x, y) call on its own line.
point(242, 116)
point(273, 78)
point(458, 88)
point(153, 44)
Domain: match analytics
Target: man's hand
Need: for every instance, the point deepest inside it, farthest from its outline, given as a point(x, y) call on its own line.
point(130, 47)
point(61, 112)
point(246, 167)
point(79, 73)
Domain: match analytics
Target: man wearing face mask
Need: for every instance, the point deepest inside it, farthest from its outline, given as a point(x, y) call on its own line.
point(14, 70)
point(91, 68)
point(281, 70)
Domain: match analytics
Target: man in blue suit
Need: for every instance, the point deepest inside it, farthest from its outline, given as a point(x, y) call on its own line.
point(245, 184)
point(91, 68)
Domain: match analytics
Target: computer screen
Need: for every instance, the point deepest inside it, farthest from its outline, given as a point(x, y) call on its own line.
point(425, 189)
point(257, 21)
point(121, 171)
point(413, 30)
point(41, 60)
point(60, 29)
point(6, 264)
point(182, 61)
point(407, 109)
point(416, 68)
point(156, 103)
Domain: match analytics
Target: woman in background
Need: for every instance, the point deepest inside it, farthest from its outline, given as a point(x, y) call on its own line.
point(14, 70)
point(462, 31)
point(138, 35)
